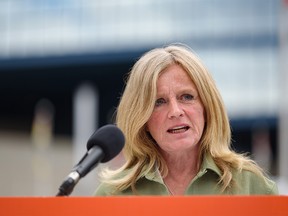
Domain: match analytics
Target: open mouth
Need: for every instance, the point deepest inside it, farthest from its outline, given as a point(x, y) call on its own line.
point(179, 129)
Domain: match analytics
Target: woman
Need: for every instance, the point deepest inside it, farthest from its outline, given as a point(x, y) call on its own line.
point(177, 133)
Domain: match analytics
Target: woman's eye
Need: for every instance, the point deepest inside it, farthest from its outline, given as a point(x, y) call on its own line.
point(187, 97)
point(159, 102)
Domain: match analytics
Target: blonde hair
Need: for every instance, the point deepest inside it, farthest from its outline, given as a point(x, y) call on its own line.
point(136, 107)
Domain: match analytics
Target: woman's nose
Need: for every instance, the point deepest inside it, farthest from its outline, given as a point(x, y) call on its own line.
point(175, 110)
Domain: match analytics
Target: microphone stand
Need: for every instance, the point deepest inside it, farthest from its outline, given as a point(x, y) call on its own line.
point(68, 185)
point(85, 165)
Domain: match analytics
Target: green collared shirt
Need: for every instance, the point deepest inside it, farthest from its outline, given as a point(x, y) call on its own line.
point(204, 183)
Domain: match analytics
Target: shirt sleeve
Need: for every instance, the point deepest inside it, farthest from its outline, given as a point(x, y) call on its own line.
point(274, 189)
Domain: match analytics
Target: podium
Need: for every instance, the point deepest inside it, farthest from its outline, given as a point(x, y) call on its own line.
point(145, 206)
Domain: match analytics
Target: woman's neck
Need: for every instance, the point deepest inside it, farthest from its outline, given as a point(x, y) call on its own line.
point(182, 168)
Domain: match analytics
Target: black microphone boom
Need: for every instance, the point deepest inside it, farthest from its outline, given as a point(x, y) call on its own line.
point(102, 146)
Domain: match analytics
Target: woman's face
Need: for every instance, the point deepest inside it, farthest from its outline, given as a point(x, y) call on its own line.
point(178, 118)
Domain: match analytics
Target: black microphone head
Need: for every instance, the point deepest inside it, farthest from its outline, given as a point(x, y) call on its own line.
point(110, 139)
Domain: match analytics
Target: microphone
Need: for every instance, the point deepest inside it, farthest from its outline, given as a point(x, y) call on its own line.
point(104, 144)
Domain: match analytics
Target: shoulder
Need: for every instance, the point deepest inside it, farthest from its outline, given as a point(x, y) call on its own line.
point(109, 186)
point(150, 184)
point(248, 182)
point(105, 189)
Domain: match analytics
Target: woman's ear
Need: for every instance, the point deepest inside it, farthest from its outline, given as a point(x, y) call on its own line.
point(146, 128)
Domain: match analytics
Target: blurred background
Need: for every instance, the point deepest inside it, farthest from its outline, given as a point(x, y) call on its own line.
point(63, 64)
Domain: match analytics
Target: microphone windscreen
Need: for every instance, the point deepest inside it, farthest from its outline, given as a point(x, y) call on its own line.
point(110, 139)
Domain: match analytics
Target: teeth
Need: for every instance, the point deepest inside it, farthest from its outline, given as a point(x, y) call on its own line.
point(178, 129)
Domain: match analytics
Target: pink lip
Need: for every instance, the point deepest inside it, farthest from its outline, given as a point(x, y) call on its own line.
point(179, 129)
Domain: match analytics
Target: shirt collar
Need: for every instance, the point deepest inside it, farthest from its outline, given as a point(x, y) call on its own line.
point(155, 175)
point(207, 164)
